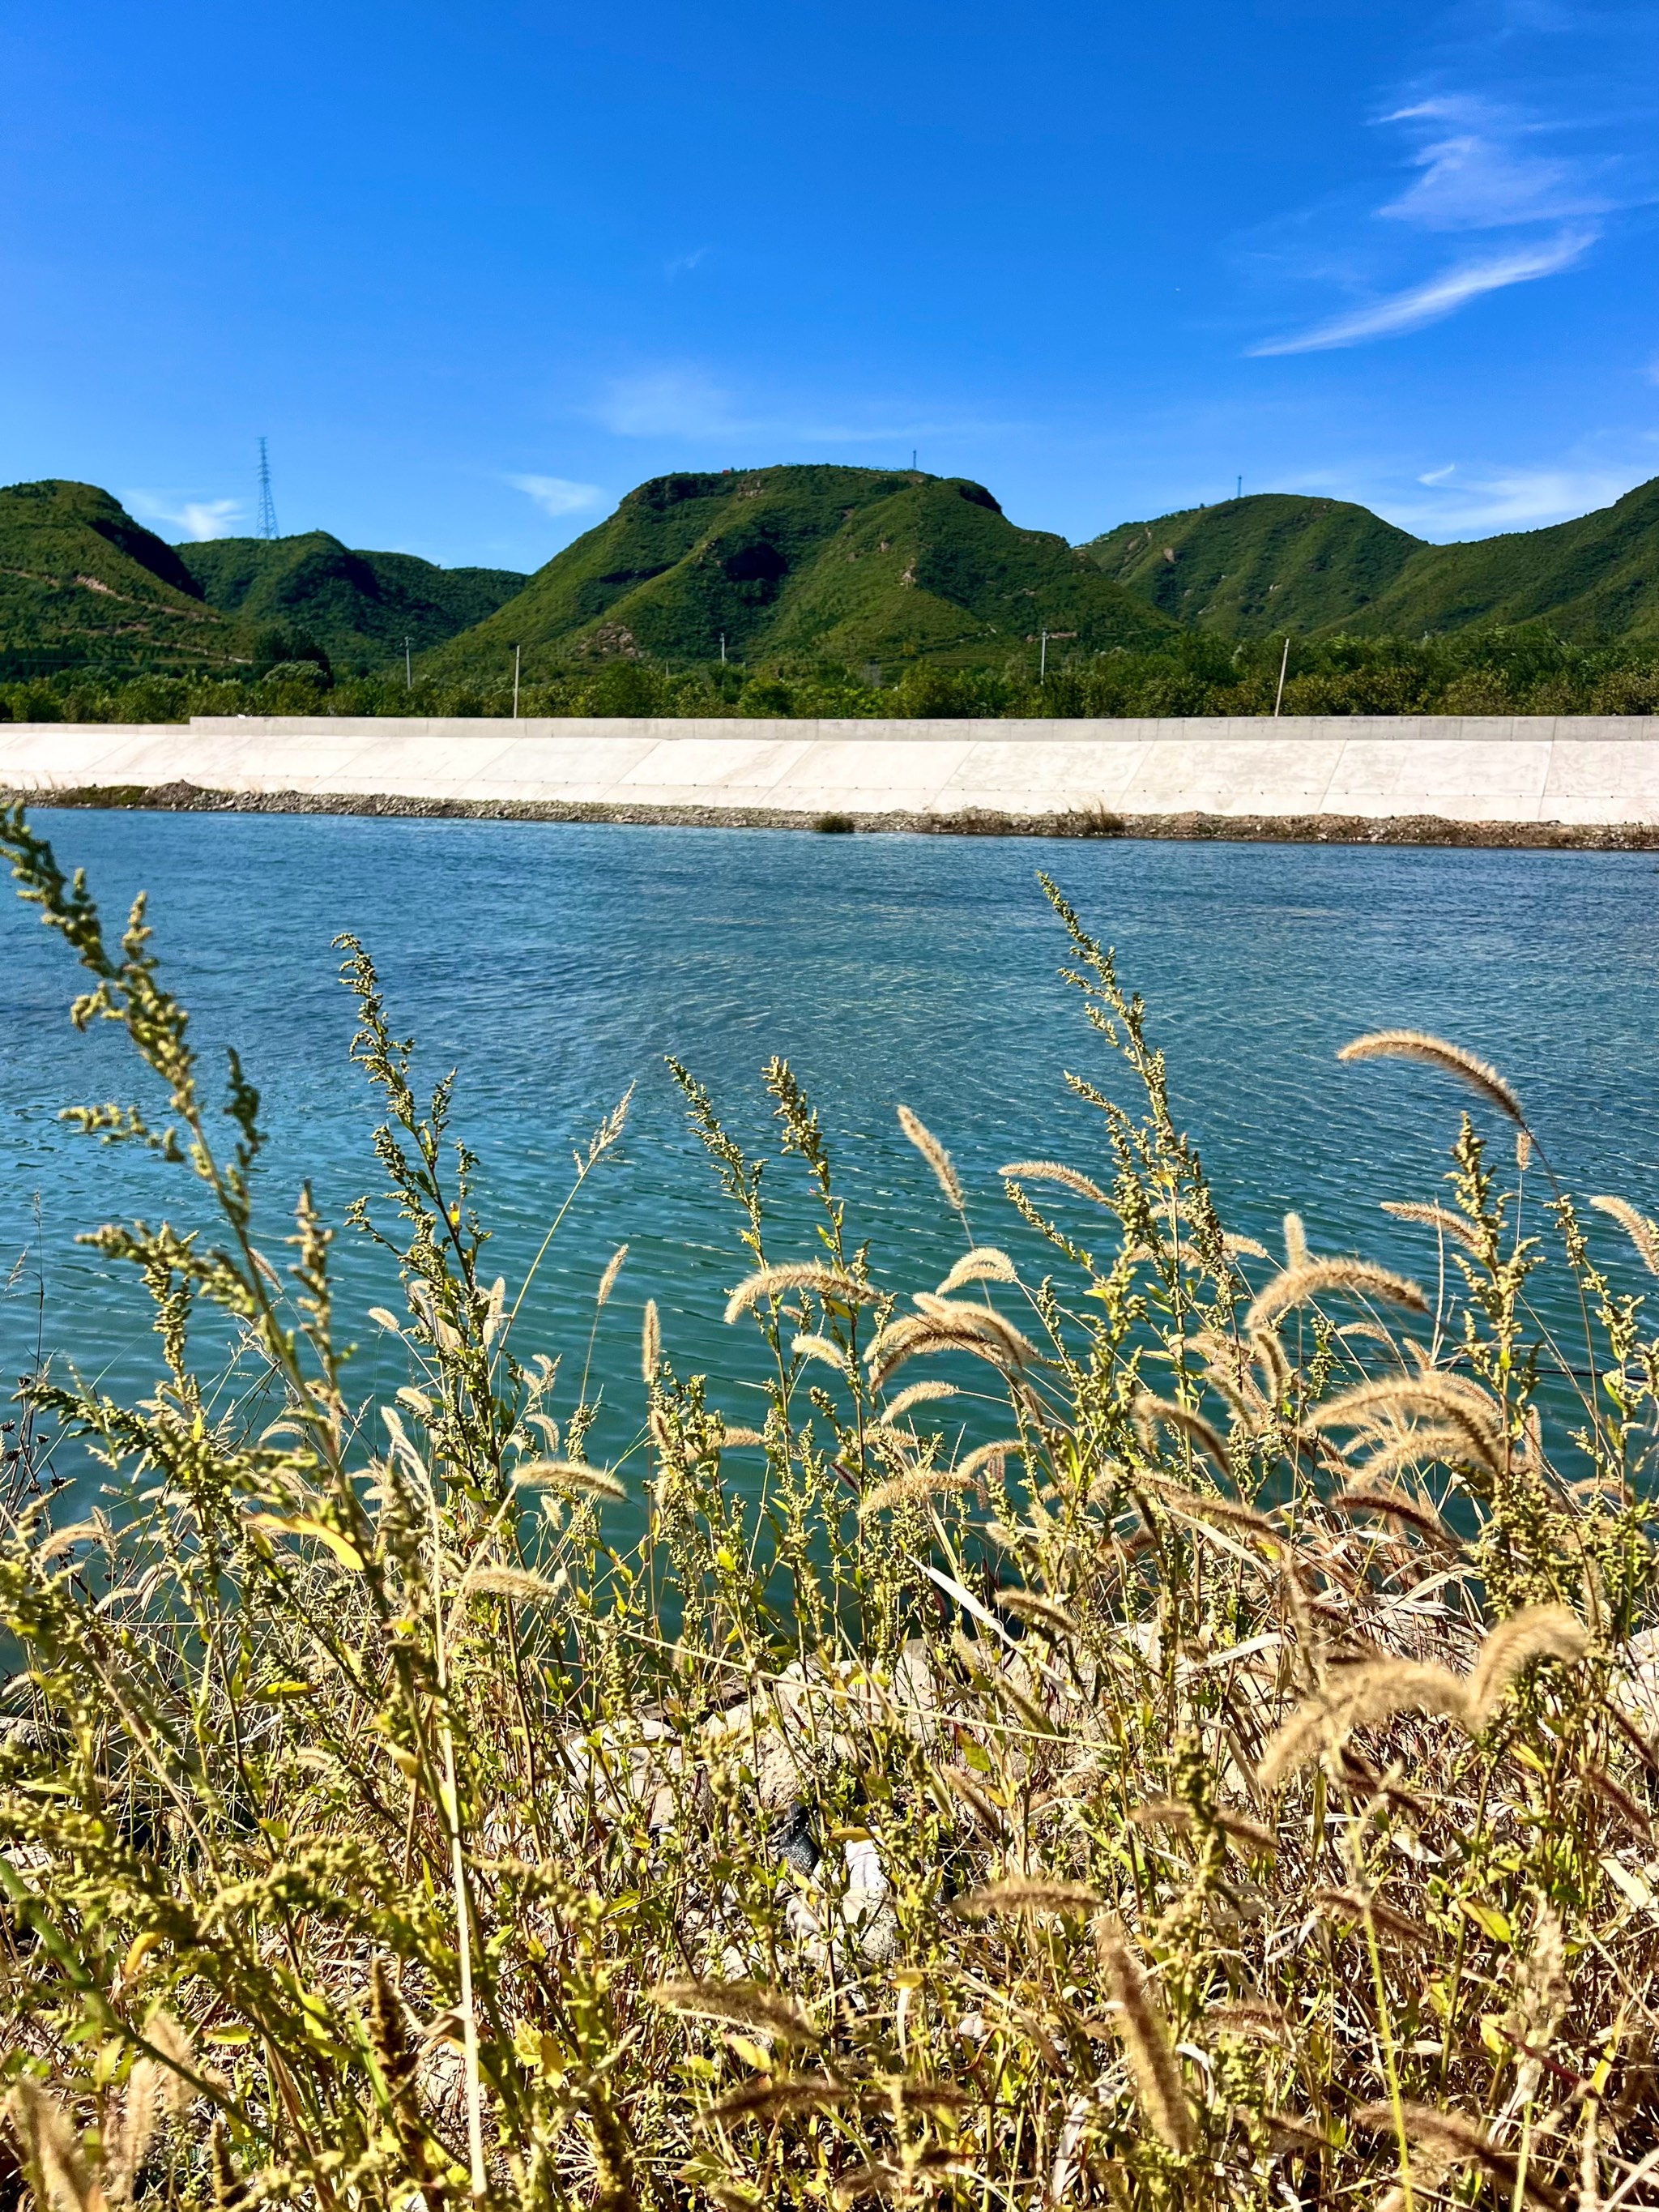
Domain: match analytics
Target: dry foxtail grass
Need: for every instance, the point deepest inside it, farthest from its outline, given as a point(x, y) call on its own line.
point(1118, 1730)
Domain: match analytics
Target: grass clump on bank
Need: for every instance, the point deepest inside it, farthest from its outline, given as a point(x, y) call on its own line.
point(1176, 1730)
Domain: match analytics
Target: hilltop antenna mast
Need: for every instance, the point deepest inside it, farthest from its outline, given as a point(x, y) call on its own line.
point(267, 505)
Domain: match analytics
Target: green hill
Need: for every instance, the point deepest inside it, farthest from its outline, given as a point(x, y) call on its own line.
point(1274, 562)
point(358, 606)
point(1249, 566)
point(1597, 575)
point(82, 581)
point(840, 564)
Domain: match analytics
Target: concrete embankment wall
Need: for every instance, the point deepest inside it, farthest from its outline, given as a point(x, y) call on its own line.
point(1329, 775)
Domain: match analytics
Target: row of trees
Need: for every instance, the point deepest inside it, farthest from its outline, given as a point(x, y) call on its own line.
point(1525, 670)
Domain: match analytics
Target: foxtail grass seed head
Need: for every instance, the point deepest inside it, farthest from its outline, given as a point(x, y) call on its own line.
point(1237, 1247)
point(1020, 1895)
point(916, 1393)
point(1466, 1423)
point(1040, 1611)
point(1439, 1217)
point(516, 1583)
point(1148, 2044)
point(608, 1280)
point(1153, 1413)
point(52, 2148)
point(820, 1348)
point(1372, 1495)
point(1539, 1631)
point(832, 1284)
point(1453, 2140)
point(1296, 1243)
point(1347, 1905)
point(1364, 1696)
point(984, 1264)
point(933, 1152)
point(650, 1341)
point(568, 1474)
point(913, 1489)
point(1643, 1234)
point(967, 1790)
point(1056, 1172)
point(1452, 1059)
point(741, 2005)
point(1324, 1279)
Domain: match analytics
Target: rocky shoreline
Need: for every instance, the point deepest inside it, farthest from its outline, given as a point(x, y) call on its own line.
point(974, 822)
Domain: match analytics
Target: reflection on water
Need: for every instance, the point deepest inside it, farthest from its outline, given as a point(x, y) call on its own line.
point(555, 964)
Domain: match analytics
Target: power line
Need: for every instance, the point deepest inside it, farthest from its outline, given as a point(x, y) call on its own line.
point(267, 505)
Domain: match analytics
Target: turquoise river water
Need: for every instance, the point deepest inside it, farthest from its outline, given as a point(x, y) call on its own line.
point(553, 965)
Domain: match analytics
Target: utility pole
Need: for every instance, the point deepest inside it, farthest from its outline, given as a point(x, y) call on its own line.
point(267, 505)
point(409, 667)
point(1043, 664)
point(722, 648)
point(1284, 662)
point(913, 458)
point(517, 652)
point(1239, 494)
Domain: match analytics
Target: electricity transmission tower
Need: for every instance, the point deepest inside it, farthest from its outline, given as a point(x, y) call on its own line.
point(267, 505)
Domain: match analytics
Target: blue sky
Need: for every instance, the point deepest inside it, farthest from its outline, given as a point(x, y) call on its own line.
point(477, 271)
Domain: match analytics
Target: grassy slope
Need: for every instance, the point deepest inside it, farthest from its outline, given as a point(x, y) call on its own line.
point(358, 606)
point(841, 562)
point(79, 577)
point(1250, 566)
point(1598, 572)
point(1253, 566)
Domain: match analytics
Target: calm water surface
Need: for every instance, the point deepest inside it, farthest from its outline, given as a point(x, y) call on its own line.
point(553, 965)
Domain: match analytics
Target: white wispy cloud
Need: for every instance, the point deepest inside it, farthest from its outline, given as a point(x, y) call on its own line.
point(687, 403)
point(668, 403)
point(1486, 175)
point(683, 262)
point(1510, 499)
point(1440, 295)
point(1541, 187)
point(558, 495)
point(199, 519)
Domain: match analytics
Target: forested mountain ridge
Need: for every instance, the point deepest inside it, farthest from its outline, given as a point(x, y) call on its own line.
point(1251, 567)
point(1597, 575)
point(80, 581)
point(358, 606)
point(82, 584)
point(843, 564)
point(800, 570)
point(1276, 561)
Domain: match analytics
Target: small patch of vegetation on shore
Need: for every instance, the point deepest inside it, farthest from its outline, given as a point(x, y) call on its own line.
point(1175, 1729)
